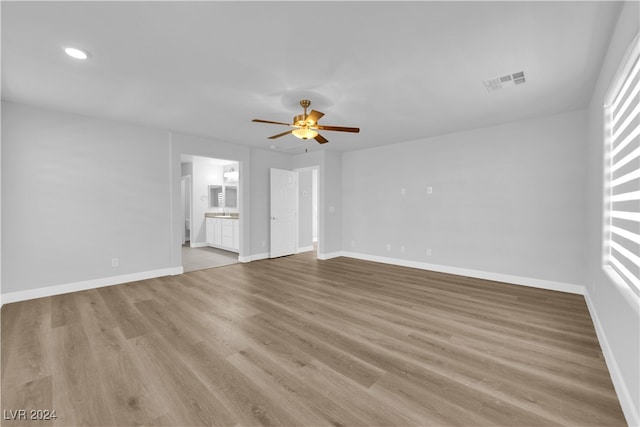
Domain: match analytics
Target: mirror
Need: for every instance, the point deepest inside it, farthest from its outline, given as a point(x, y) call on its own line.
point(231, 196)
point(216, 197)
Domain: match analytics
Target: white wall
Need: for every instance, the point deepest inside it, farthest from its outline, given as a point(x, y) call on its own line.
point(78, 192)
point(615, 309)
point(508, 199)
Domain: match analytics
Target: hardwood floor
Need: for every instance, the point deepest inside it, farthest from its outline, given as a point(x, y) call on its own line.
point(300, 342)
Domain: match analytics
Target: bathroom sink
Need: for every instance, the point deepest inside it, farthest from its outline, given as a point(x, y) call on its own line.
point(224, 216)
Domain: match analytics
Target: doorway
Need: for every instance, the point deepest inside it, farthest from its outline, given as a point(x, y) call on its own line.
point(307, 209)
point(211, 212)
point(185, 200)
point(302, 235)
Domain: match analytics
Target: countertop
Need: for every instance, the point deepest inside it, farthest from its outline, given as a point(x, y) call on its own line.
point(220, 215)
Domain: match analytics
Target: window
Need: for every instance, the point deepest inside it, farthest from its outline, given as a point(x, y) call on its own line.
point(622, 171)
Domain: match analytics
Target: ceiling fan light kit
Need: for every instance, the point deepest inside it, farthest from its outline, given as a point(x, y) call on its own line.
point(306, 125)
point(305, 133)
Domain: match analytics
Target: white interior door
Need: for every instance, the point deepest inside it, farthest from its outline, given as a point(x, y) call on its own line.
point(283, 213)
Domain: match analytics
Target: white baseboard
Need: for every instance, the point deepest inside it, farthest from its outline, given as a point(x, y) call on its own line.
point(254, 257)
point(498, 277)
point(199, 245)
point(88, 284)
point(305, 249)
point(330, 255)
point(624, 396)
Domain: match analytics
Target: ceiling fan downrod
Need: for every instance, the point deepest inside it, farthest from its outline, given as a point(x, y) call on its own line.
point(300, 120)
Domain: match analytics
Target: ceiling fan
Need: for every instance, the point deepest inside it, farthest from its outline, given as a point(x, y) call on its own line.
point(306, 125)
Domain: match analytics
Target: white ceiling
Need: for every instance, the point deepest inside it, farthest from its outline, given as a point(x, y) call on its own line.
point(398, 70)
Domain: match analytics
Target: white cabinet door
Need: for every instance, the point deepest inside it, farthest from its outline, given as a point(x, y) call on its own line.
point(236, 235)
point(227, 233)
point(209, 231)
point(217, 231)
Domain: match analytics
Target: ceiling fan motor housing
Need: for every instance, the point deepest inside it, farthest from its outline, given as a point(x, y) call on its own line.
point(300, 120)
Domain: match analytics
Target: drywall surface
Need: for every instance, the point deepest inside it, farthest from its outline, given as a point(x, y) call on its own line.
point(332, 210)
point(508, 199)
point(615, 308)
point(78, 192)
point(305, 209)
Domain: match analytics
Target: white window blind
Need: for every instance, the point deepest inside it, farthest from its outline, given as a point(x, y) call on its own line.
point(622, 170)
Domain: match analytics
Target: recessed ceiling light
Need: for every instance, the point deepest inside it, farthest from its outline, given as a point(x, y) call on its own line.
point(76, 53)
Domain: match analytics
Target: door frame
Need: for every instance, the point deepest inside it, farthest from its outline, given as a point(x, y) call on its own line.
point(241, 189)
point(185, 197)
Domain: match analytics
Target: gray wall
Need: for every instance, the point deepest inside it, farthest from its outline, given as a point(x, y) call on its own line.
point(508, 199)
point(615, 308)
point(331, 204)
point(77, 192)
point(305, 206)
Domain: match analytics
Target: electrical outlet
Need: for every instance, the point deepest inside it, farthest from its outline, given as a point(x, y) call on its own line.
point(264, 243)
point(388, 247)
point(402, 249)
point(115, 262)
point(429, 190)
point(403, 191)
point(429, 252)
point(353, 243)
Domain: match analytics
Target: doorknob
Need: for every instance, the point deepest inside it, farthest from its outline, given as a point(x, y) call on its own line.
point(273, 218)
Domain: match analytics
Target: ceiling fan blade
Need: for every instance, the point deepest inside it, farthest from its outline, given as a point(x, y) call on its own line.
point(321, 139)
point(339, 128)
point(269, 121)
point(313, 117)
point(281, 134)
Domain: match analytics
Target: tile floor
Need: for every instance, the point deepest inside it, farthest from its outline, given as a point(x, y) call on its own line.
point(202, 258)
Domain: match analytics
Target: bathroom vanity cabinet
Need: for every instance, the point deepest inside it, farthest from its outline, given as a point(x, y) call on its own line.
point(223, 232)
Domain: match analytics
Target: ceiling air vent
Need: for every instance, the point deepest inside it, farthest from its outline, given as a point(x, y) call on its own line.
point(504, 81)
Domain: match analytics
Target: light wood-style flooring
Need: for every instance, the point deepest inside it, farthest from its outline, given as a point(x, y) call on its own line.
point(299, 342)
